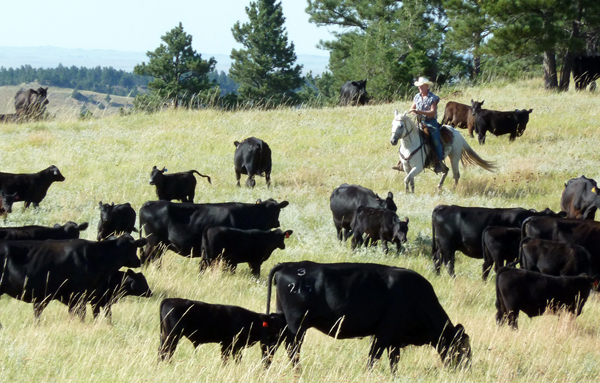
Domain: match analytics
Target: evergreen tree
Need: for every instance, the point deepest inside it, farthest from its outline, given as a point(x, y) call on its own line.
point(264, 69)
point(179, 72)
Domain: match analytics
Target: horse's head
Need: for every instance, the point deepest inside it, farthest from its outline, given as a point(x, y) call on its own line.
point(402, 126)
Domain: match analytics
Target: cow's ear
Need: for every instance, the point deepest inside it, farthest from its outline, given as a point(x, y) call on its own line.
point(530, 110)
point(154, 167)
point(355, 83)
point(406, 220)
point(56, 225)
point(258, 201)
point(83, 226)
point(100, 204)
point(390, 195)
point(283, 204)
point(378, 197)
point(164, 169)
point(236, 143)
point(130, 272)
point(288, 233)
point(140, 242)
point(482, 101)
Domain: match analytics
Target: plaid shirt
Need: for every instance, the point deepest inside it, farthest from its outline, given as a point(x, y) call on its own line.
point(424, 103)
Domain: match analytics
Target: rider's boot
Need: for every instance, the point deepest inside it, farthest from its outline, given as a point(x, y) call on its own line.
point(440, 167)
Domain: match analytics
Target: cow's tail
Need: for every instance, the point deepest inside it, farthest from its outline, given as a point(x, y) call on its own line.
point(469, 156)
point(201, 175)
point(487, 257)
point(500, 306)
point(275, 269)
point(519, 257)
point(433, 239)
point(524, 227)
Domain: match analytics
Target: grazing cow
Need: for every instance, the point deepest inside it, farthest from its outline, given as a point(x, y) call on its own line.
point(31, 103)
point(346, 198)
point(235, 246)
point(354, 93)
point(115, 219)
point(28, 187)
point(580, 198)
point(396, 306)
point(68, 270)
point(181, 186)
point(6, 207)
point(461, 228)
point(69, 230)
point(252, 157)
point(586, 69)
point(555, 258)
point(179, 227)
point(115, 287)
point(500, 246)
point(378, 224)
point(584, 233)
point(523, 290)
point(499, 123)
point(232, 327)
point(459, 116)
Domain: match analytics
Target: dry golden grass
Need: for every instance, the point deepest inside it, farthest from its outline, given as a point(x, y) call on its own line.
point(314, 151)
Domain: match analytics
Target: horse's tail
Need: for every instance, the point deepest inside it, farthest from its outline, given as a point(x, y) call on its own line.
point(468, 156)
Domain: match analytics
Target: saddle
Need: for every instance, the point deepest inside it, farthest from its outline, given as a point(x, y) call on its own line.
point(446, 136)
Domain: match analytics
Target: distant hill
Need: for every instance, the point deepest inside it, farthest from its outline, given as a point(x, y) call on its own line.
point(50, 57)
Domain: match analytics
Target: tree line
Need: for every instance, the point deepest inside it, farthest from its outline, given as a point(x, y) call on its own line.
point(99, 79)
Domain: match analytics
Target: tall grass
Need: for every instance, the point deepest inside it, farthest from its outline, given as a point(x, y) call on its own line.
point(314, 151)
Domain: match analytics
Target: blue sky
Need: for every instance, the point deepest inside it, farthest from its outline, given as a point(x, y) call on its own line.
point(136, 25)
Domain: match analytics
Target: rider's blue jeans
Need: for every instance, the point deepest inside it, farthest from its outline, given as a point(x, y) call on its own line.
point(434, 131)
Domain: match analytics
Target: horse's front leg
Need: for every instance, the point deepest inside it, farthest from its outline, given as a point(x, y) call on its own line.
point(410, 178)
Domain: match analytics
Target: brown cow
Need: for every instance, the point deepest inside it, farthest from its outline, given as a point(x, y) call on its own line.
point(459, 116)
point(31, 103)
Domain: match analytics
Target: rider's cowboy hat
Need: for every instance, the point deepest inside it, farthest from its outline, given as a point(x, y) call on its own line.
point(423, 81)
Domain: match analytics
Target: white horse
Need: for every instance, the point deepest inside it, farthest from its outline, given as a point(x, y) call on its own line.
point(413, 150)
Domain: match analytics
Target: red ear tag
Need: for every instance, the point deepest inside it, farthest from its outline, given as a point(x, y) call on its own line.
point(596, 284)
point(287, 235)
point(265, 324)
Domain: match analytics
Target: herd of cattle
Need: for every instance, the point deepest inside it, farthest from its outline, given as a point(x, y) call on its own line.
point(558, 254)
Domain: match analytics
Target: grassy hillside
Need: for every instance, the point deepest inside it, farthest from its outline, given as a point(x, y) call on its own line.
point(314, 151)
point(62, 105)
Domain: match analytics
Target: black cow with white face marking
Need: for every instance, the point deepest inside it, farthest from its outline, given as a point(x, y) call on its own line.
point(233, 327)
point(69, 230)
point(378, 224)
point(499, 123)
point(396, 306)
point(461, 228)
point(181, 186)
point(179, 227)
point(252, 157)
point(234, 246)
point(354, 93)
point(346, 198)
point(533, 293)
point(115, 219)
point(67, 270)
point(28, 187)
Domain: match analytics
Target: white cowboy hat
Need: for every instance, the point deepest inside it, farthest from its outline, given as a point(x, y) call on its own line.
point(423, 81)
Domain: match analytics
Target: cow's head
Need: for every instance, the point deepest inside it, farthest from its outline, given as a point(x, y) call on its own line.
point(549, 213)
point(400, 230)
point(54, 174)
point(273, 208)
point(73, 230)
point(522, 117)
point(455, 346)
point(274, 327)
point(136, 284)
point(476, 106)
point(126, 247)
point(42, 96)
point(8, 200)
point(388, 202)
point(282, 236)
point(362, 97)
point(156, 175)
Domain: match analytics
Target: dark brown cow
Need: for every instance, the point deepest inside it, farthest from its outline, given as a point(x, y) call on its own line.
point(459, 116)
point(31, 103)
point(580, 198)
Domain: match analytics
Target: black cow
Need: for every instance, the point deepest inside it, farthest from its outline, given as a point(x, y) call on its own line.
point(555, 258)
point(28, 187)
point(586, 69)
point(68, 271)
point(232, 327)
point(378, 224)
point(584, 233)
point(346, 198)
point(181, 186)
point(461, 228)
point(499, 123)
point(354, 93)
point(523, 290)
point(179, 227)
point(396, 306)
point(459, 116)
point(115, 219)
point(6, 207)
point(69, 230)
point(115, 287)
point(580, 198)
point(500, 246)
point(234, 246)
point(252, 157)
point(31, 103)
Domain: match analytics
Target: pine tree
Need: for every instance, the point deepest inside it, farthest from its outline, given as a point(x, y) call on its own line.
point(179, 72)
point(264, 68)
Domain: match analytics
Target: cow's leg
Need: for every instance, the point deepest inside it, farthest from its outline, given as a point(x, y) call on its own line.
point(238, 175)
point(268, 179)
point(481, 136)
point(255, 269)
point(250, 181)
point(376, 350)
point(347, 234)
point(487, 266)
point(394, 354)
point(384, 246)
point(338, 229)
point(449, 262)
point(357, 240)
point(226, 352)
point(293, 343)
point(38, 307)
point(513, 318)
point(168, 344)
point(27, 203)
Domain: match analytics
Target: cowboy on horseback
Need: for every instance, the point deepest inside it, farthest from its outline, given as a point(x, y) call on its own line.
point(425, 106)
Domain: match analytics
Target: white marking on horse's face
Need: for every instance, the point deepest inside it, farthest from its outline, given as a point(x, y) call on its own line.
point(397, 128)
